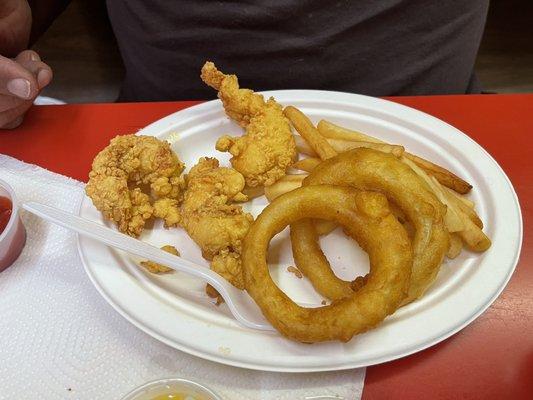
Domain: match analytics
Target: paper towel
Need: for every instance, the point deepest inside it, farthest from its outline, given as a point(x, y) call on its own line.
point(60, 340)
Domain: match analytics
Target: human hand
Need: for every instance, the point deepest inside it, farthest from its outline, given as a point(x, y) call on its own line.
point(21, 80)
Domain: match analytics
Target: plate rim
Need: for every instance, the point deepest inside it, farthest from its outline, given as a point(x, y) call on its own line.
point(345, 365)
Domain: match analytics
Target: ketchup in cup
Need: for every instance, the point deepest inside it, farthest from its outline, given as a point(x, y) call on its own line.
point(12, 233)
point(5, 212)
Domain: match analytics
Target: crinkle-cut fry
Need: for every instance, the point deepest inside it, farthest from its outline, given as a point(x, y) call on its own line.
point(284, 185)
point(307, 130)
point(474, 238)
point(453, 221)
point(341, 145)
point(332, 131)
point(469, 211)
point(456, 245)
point(444, 176)
point(306, 164)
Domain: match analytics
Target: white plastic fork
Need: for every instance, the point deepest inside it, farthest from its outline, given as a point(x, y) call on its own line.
point(239, 302)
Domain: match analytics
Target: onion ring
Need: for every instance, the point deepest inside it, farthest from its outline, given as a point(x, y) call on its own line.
point(366, 218)
point(367, 169)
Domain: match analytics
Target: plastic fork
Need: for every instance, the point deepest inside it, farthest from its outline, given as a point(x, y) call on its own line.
point(240, 304)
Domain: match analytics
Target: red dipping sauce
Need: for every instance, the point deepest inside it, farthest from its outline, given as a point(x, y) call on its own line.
point(12, 232)
point(5, 212)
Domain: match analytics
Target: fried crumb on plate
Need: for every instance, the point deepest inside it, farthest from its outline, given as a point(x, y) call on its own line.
point(212, 292)
point(295, 271)
point(156, 268)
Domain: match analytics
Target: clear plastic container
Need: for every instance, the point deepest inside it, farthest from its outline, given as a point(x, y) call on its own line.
point(176, 386)
point(13, 238)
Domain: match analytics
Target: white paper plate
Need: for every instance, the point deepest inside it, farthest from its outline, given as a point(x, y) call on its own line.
point(174, 308)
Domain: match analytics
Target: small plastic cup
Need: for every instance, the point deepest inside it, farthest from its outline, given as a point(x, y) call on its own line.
point(162, 387)
point(13, 238)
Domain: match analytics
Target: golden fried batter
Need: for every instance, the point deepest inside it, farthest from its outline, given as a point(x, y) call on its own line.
point(267, 149)
point(127, 168)
point(212, 221)
point(156, 268)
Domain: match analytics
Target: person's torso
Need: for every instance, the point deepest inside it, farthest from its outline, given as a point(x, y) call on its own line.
point(375, 47)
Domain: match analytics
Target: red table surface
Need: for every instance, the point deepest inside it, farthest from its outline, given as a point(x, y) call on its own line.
point(492, 358)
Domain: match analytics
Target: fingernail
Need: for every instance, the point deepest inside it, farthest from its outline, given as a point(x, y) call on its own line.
point(34, 57)
point(20, 88)
point(43, 78)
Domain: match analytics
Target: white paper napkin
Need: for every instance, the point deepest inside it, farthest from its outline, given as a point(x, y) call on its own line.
point(59, 339)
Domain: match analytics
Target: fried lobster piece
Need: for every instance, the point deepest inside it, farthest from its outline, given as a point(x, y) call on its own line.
point(135, 178)
point(267, 148)
point(213, 220)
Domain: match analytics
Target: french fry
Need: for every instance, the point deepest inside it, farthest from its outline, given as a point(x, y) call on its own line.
point(444, 176)
point(341, 146)
point(307, 130)
point(471, 234)
point(332, 131)
point(456, 245)
point(284, 185)
point(474, 237)
point(461, 218)
point(291, 182)
point(469, 211)
point(303, 147)
point(462, 199)
point(306, 164)
point(454, 223)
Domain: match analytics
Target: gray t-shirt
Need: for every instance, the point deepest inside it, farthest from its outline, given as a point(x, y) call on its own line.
point(374, 47)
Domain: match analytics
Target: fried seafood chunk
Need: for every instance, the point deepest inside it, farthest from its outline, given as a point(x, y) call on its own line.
point(168, 210)
point(212, 220)
point(156, 268)
point(267, 149)
point(128, 173)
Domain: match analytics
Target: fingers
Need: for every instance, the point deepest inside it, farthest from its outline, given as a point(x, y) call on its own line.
point(27, 55)
point(13, 124)
point(30, 60)
point(15, 80)
point(41, 71)
point(21, 80)
point(12, 117)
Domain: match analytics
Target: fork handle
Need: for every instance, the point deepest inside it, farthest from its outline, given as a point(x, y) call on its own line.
point(120, 241)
